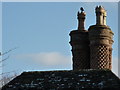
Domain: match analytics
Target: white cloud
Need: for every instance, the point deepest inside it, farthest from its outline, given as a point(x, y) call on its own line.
point(47, 58)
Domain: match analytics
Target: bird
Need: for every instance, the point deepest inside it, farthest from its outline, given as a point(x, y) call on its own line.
point(81, 9)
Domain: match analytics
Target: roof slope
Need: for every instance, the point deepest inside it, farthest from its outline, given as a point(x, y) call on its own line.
point(57, 80)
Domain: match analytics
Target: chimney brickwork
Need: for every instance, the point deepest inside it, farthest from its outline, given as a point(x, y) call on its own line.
point(80, 44)
point(92, 49)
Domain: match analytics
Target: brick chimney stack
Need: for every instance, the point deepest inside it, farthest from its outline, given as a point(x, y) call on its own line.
point(100, 37)
point(92, 49)
point(80, 44)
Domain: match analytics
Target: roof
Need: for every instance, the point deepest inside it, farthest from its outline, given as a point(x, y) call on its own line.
point(58, 80)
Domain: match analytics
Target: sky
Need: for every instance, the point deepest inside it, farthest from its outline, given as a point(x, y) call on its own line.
point(118, 40)
point(60, 0)
point(0, 26)
point(40, 31)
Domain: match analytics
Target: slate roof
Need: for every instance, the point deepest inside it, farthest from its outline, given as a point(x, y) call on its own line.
point(59, 80)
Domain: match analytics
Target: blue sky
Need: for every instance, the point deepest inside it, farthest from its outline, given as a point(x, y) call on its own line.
point(41, 33)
